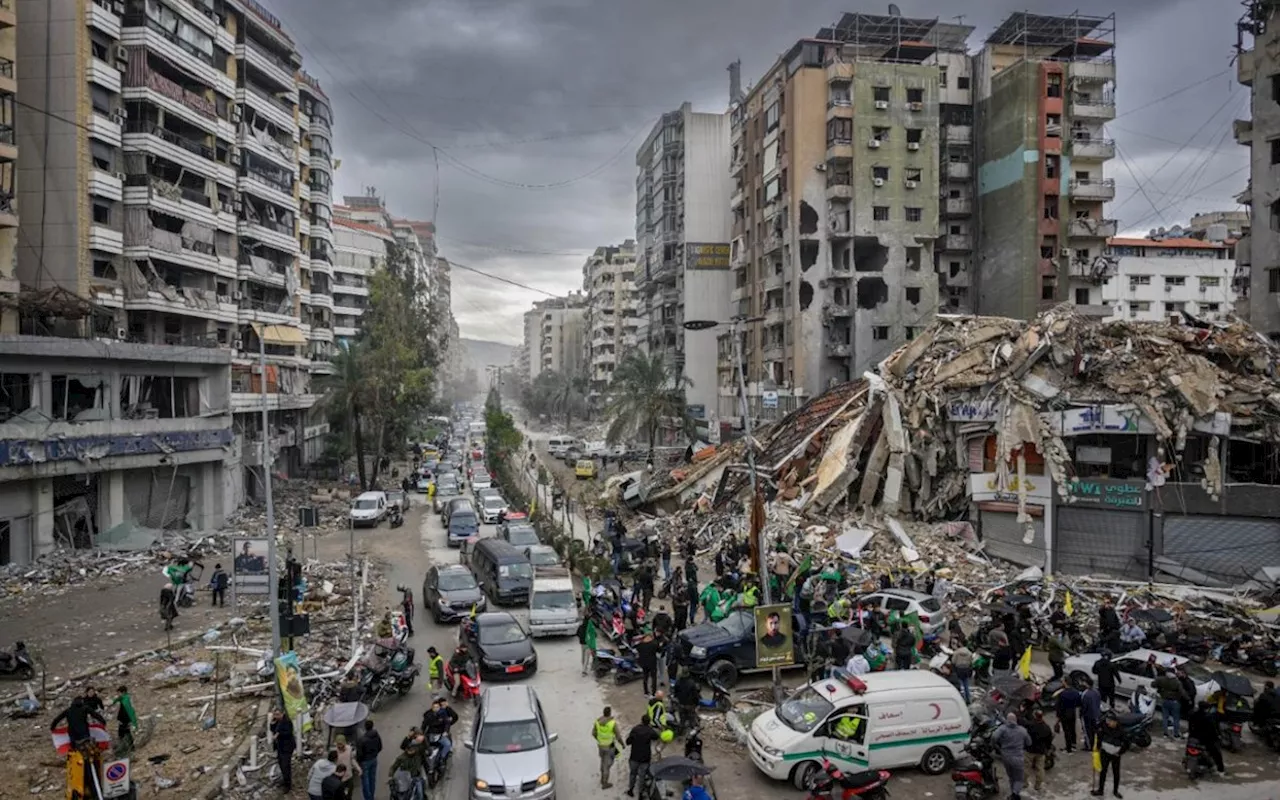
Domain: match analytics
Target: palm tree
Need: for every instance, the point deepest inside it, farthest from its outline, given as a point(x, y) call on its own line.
point(645, 391)
point(345, 396)
point(568, 395)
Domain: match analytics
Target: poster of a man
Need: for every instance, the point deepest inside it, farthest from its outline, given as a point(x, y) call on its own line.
point(773, 636)
point(251, 557)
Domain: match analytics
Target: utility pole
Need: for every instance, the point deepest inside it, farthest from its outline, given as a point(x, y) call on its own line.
point(273, 571)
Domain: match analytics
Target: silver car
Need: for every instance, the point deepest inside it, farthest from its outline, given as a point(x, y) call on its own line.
point(511, 751)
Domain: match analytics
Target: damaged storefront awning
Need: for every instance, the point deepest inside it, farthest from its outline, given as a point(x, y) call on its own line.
point(285, 335)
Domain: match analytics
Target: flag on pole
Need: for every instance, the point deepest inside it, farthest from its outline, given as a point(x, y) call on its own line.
point(1068, 607)
point(1024, 664)
point(62, 738)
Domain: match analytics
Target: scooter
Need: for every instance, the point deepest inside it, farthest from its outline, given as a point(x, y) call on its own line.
point(1196, 760)
point(406, 786)
point(1268, 732)
point(720, 699)
point(435, 764)
point(17, 664)
point(833, 784)
point(625, 670)
point(1136, 726)
point(974, 777)
point(468, 682)
point(396, 518)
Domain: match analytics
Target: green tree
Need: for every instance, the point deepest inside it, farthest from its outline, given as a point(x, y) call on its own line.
point(555, 393)
point(345, 397)
point(646, 391)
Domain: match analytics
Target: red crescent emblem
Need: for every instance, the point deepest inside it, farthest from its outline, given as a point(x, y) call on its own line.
point(937, 710)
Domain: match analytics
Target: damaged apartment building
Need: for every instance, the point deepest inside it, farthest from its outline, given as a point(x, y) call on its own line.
point(836, 157)
point(175, 233)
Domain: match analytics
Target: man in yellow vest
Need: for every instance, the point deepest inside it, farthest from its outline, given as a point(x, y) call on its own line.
point(605, 732)
point(435, 668)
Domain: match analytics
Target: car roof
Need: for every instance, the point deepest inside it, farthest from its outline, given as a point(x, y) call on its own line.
point(885, 685)
point(509, 704)
point(370, 495)
point(490, 499)
point(443, 568)
point(1142, 654)
point(494, 617)
point(905, 594)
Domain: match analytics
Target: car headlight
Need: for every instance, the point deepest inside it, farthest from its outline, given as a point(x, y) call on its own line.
point(698, 652)
point(488, 662)
point(544, 779)
point(481, 785)
point(771, 751)
point(442, 603)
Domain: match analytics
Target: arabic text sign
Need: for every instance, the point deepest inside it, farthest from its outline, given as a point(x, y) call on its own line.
point(1117, 494)
point(973, 411)
point(985, 486)
point(707, 255)
point(1101, 419)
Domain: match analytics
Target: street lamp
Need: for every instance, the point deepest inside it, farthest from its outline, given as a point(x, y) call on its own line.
point(735, 323)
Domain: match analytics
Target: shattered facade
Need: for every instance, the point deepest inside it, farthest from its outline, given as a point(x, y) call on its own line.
point(1258, 253)
point(1045, 91)
point(1158, 279)
point(612, 314)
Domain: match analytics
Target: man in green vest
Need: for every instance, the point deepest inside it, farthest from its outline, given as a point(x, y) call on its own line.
point(605, 731)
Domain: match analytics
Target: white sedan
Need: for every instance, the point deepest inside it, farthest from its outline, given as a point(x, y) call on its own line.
point(481, 480)
point(492, 507)
point(1133, 670)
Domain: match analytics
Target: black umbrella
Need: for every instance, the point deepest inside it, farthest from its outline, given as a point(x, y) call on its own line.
point(678, 768)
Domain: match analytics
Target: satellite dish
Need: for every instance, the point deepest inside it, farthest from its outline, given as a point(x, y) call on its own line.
point(894, 11)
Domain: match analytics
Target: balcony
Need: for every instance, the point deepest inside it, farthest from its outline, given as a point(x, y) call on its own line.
point(273, 108)
point(1093, 149)
point(103, 17)
point(958, 134)
point(8, 84)
point(772, 242)
point(104, 75)
point(183, 202)
point(839, 148)
point(1103, 190)
point(244, 402)
point(773, 351)
point(839, 186)
point(186, 302)
point(1242, 130)
point(1099, 108)
point(270, 64)
point(1245, 67)
point(106, 239)
point(106, 184)
point(839, 109)
point(152, 138)
point(264, 271)
point(957, 206)
point(320, 333)
point(1090, 228)
point(147, 241)
point(321, 300)
point(838, 349)
point(105, 129)
point(144, 83)
point(320, 125)
point(957, 241)
point(265, 148)
point(321, 229)
point(957, 170)
point(267, 312)
point(1092, 71)
point(268, 187)
point(273, 234)
point(1099, 311)
point(139, 30)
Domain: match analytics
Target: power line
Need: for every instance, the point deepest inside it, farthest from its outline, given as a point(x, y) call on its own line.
point(1174, 93)
point(1223, 179)
point(1125, 161)
point(517, 250)
point(500, 278)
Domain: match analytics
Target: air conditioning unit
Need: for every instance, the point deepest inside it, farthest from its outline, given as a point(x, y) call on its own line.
point(235, 158)
point(913, 145)
point(877, 181)
point(1065, 252)
point(122, 333)
point(238, 205)
point(120, 115)
point(912, 184)
point(236, 115)
point(120, 176)
point(118, 7)
point(874, 143)
point(882, 105)
point(1168, 288)
point(237, 295)
point(122, 54)
point(916, 106)
point(237, 343)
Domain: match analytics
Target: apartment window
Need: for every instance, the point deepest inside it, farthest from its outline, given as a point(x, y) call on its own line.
point(953, 268)
point(1175, 308)
point(99, 50)
point(880, 213)
point(880, 173)
point(101, 213)
point(771, 116)
point(912, 174)
point(1275, 88)
point(103, 155)
point(880, 134)
point(1210, 308)
point(1139, 280)
point(913, 135)
point(1175, 280)
point(1082, 297)
point(1275, 151)
point(913, 258)
point(101, 99)
point(955, 230)
point(1053, 87)
point(909, 332)
point(880, 94)
point(1082, 175)
point(839, 130)
point(1046, 251)
point(915, 95)
point(1050, 206)
point(962, 82)
point(1207, 283)
point(914, 214)
point(913, 295)
point(1047, 290)
point(1273, 280)
point(1051, 165)
point(1053, 125)
point(1275, 215)
point(942, 77)
point(1082, 255)
point(880, 333)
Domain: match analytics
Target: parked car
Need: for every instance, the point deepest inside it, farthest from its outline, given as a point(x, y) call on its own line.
point(1133, 671)
point(511, 745)
point(501, 646)
point(451, 592)
point(721, 651)
point(520, 535)
point(398, 497)
point(481, 480)
point(933, 619)
point(585, 468)
point(542, 555)
point(491, 508)
point(368, 509)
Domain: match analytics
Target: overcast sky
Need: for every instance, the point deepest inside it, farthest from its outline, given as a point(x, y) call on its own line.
point(537, 107)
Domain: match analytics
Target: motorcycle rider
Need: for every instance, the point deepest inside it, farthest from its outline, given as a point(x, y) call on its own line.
point(439, 719)
point(1268, 705)
point(687, 694)
point(1203, 727)
point(459, 663)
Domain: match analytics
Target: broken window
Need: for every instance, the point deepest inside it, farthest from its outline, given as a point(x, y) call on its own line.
point(1275, 151)
point(915, 95)
point(1273, 280)
point(15, 394)
point(1275, 88)
point(806, 294)
point(808, 218)
point(880, 134)
point(880, 173)
point(103, 155)
point(1051, 164)
point(169, 397)
point(913, 258)
point(1046, 251)
point(101, 212)
point(880, 332)
point(914, 214)
point(880, 213)
point(913, 295)
point(1082, 297)
point(914, 135)
point(1082, 255)
point(880, 94)
point(1210, 308)
point(1054, 87)
point(909, 332)
point(839, 131)
point(911, 174)
point(1047, 290)
point(868, 254)
point(872, 292)
point(962, 82)
point(808, 254)
point(77, 397)
point(1053, 125)
point(953, 268)
point(103, 268)
point(1050, 206)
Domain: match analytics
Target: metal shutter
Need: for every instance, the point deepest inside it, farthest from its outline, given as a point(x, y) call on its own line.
point(1229, 549)
point(1088, 541)
point(1002, 538)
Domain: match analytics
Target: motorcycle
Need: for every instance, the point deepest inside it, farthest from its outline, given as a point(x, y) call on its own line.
point(974, 777)
point(719, 700)
point(1195, 760)
point(834, 784)
point(693, 745)
point(17, 664)
point(396, 517)
point(406, 786)
point(624, 668)
point(435, 764)
point(379, 686)
point(1136, 726)
point(467, 683)
point(1268, 732)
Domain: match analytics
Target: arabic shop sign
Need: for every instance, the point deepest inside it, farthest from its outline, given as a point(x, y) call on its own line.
point(707, 255)
point(1110, 493)
point(25, 452)
point(987, 486)
point(973, 411)
point(1101, 419)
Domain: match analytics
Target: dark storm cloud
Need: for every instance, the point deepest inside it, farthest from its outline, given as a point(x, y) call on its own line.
point(549, 91)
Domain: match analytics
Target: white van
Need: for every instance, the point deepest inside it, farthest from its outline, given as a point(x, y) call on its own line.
point(553, 604)
point(368, 509)
point(905, 718)
point(557, 445)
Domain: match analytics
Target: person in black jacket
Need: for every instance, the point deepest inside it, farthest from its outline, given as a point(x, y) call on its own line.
point(1112, 744)
point(367, 750)
point(285, 743)
point(1203, 727)
point(647, 658)
point(1106, 671)
point(334, 786)
point(640, 739)
point(1041, 745)
point(687, 693)
point(77, 716)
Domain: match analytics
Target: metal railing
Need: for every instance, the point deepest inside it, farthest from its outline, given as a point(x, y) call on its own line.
point(139, 19)
point(155, 129)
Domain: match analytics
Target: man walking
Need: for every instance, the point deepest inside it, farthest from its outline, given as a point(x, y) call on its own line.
point(1203, 727)
point(605, 732)
point(1106, 671)
point(286, 743)
point(666, 559)
point(647, 658)
point(587, 640)
point(644, 584)
point(1041, 745)
point(904, 647)
point(126, 718)
point(1090, 714)
point(1067, 708)
point(324, 767)
point(679, 600)
point(1170, 690)
point(367, 750)
point(218, 583)
point(1011, 741)
point(962, 669)
point(1057, 647)
point(1112, 744)
point(640, 739)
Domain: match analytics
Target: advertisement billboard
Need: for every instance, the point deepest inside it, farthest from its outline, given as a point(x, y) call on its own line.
point(773, 636)
point(249, 573)
point(707, 255)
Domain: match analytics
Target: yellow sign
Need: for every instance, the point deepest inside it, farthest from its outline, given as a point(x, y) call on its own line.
point(707, 255)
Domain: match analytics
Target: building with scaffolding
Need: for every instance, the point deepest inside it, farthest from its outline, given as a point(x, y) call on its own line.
point(1045, 90)
point(835, 159)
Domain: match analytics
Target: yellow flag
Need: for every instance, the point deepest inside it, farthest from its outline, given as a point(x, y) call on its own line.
point(1068, 607)
point(1024, 664)
point(476, 603)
